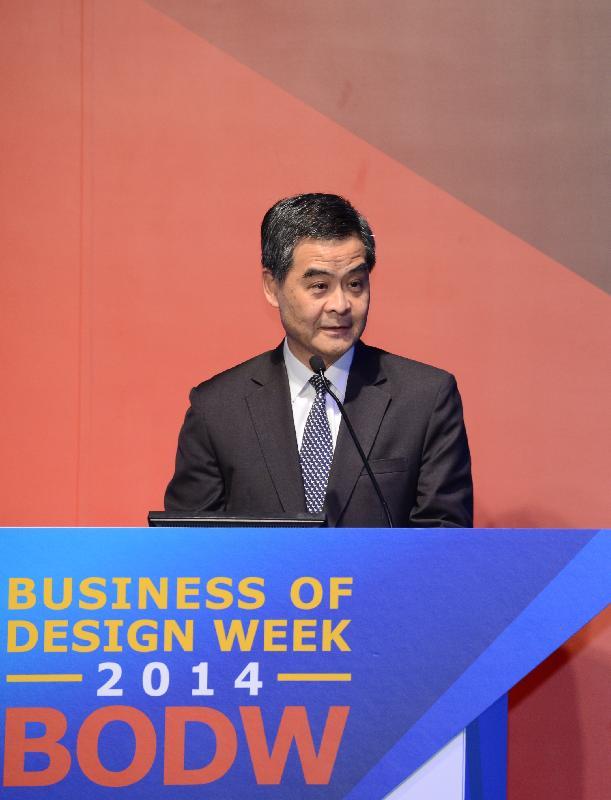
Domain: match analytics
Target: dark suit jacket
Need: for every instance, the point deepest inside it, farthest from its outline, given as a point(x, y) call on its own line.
point(237, 450)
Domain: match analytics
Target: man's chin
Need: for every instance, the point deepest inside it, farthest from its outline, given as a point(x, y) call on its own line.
point(331, 352)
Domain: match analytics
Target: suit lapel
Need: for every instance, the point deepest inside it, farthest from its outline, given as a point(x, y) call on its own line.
point(365, 403)
point(269, 403)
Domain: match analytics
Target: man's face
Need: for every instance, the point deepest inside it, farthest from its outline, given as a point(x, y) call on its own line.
point(324, 298)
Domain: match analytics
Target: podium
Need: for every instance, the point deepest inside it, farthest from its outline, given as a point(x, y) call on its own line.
point(284, 663)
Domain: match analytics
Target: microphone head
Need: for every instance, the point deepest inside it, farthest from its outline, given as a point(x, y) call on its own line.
point(317, 364)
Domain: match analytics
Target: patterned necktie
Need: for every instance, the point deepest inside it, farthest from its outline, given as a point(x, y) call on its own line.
point(316, 451)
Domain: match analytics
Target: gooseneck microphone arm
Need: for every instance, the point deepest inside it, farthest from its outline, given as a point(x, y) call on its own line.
point(318, 366)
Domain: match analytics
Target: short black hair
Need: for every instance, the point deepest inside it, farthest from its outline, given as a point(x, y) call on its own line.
point(310, 216)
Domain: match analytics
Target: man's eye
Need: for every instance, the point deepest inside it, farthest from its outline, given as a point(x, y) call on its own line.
point(319, 286)
point(356, 284)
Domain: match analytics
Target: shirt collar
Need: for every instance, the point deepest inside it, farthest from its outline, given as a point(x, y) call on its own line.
point(299, 375)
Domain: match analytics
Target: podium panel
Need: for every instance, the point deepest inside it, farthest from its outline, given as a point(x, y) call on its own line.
point(181, 663)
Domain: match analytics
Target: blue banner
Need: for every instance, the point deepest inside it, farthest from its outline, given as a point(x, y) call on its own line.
point(181, 663)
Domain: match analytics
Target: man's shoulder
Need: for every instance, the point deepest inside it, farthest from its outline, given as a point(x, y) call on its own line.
point(238, 378)
point(401, 369)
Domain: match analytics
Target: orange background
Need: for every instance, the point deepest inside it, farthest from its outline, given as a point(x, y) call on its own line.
point(138, 159)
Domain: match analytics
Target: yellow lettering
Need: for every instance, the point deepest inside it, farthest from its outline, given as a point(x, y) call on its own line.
point(300, 633)
point(158, 594)
point(336, 591)
point(121, 602)
point(236, 631)
point(333, 635)
point(21, 593)
point(246, 590)
point(55, 629)
point(47, 594)
point(82, 631)
point(87, 589)
point(113, 626)
point(15, 625)
point(183, 636)
point(214, 588)
point(316, 587)
point(187, 587)
point(272, 630)
point(147, 641)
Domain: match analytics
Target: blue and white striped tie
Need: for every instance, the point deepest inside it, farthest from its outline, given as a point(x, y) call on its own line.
point(316, 452)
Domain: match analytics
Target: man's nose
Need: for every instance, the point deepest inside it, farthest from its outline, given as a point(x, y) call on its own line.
point(338, 301)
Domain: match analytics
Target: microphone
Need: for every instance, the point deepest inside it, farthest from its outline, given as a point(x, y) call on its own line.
point(317, 365)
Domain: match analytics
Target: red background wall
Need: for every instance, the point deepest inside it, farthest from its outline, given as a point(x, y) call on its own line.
point(142, 142)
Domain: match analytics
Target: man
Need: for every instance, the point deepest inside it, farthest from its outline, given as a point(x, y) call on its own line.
point(265, 437)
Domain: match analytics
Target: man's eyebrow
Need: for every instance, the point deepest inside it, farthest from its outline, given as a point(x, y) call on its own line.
point(314, 272)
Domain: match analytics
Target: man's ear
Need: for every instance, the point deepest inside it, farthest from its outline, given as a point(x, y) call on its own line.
point(270, 288)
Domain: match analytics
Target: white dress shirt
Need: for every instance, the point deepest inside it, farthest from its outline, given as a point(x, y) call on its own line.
point(303, 393)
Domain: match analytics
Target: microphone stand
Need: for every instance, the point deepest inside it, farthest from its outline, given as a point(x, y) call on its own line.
point(318, 366)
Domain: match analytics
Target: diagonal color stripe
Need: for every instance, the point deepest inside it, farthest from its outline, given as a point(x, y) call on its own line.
point(500, 104)
point(561, 609)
